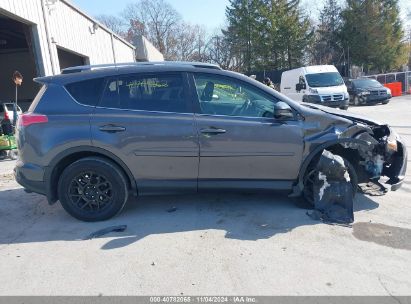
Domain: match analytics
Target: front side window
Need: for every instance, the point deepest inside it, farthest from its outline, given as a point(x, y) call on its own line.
point(324, 80)
point(219, 95)
point(164, 93)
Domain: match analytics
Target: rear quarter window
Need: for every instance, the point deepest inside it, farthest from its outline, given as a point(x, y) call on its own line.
point(37, 98)
point(86, 92)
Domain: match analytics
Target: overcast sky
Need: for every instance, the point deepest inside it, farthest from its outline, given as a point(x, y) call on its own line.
point(210, 13)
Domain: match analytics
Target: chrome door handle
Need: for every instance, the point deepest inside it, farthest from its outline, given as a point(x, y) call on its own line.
point(112, 129)
point(213, 131)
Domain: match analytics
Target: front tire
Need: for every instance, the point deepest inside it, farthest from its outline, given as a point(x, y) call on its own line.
point(385, 102)
point(312, 172)
point(93, 189)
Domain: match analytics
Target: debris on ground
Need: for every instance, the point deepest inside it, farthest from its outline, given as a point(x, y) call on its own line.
point(105, 231)
point(333, 191)
point(373, 188)
point(171, 210)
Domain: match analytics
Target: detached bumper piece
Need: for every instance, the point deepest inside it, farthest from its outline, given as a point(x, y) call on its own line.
point(333, 191)
point(373, 188)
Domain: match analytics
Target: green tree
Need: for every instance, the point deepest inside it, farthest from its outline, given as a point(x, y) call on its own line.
point(294, 33)
point(242, 32)
point(268, 34)
point(327, 45)
point(372, 30)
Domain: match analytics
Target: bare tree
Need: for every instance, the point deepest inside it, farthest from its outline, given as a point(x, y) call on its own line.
point(221, 51)
point(191, 43)
point(116, 24)
point(158, 21)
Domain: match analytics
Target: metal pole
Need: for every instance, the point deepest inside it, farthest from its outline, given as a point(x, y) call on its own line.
point(15, 108)
point(113, 49)
point(49, 42)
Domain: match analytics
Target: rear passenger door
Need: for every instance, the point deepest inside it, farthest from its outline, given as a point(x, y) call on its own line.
point(147, 121)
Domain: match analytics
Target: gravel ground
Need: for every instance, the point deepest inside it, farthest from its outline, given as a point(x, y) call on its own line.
point(211, 245)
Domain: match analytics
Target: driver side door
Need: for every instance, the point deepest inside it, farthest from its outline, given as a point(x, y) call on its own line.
point(241, 143)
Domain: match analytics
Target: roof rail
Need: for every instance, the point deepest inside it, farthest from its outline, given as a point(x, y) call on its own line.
point(83, 68)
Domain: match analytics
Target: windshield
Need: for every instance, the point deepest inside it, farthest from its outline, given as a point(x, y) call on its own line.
point(324, 80)
point(366, 83)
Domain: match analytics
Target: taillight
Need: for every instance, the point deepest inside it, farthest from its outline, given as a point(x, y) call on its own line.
point(28, 119)
point(6, 116)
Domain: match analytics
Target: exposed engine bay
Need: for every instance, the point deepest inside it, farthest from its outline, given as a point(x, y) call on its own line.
point(382, 155)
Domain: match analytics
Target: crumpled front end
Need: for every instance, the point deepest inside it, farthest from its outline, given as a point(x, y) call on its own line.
point(376, 152)
point(386, 156)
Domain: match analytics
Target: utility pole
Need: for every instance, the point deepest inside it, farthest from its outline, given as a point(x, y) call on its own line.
point(248, 37)
point(218, 50)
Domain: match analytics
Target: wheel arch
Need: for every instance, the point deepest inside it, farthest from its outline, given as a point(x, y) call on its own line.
point(335, 146)
point(67, 157)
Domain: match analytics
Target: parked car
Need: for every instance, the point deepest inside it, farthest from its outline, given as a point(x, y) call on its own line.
point(320, 84)
point(6, 111)
point(94, 136)
point(368, 91)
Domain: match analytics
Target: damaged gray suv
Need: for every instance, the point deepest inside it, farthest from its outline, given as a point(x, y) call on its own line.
point(97, 134)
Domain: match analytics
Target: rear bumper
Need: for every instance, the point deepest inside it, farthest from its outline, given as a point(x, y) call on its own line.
point(30, 177)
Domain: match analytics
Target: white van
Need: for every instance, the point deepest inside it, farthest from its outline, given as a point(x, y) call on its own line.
point(321, 84)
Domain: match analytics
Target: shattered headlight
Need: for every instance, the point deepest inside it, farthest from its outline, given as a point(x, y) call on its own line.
point(392, 144)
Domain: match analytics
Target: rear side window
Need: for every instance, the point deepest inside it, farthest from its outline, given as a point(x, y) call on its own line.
point(160, 93)
point(86, 92)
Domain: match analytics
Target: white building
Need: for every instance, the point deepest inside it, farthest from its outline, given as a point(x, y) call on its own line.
point(42, 37)
point(146, 51)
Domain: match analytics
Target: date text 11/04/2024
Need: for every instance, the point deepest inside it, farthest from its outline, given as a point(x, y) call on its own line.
point(205, 299)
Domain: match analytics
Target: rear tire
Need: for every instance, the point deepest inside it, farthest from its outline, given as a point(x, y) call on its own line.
point(385, 102)
point(93, 189)
point(308, 181)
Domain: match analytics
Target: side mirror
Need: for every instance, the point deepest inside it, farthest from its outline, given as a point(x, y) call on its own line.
point(283, 111)
point(300, 86)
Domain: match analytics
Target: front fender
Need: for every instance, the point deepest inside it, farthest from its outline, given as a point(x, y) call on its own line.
point(298, 188)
